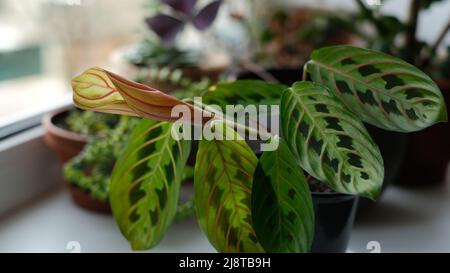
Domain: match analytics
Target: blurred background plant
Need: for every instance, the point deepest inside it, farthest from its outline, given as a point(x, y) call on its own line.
point(89, 123)
point(389, 34)
point(166, 78)
point(285, 36)
point(91, 169)
point(171, 21)
point(152, 53)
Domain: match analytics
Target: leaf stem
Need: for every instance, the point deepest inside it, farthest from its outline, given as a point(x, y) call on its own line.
point(260, 131)
point(258, 70)
point(305, 72)
point(371, 16)
point(434, 47)
point(185, 210)
point(411, 39)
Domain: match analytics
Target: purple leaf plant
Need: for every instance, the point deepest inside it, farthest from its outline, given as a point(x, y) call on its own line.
point(168, 26)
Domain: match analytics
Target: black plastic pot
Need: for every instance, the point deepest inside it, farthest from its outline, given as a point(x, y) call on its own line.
point(335, 215)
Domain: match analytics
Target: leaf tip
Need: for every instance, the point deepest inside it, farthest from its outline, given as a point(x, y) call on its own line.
point(373, 195)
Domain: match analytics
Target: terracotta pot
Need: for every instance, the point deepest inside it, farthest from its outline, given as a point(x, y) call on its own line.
point(65, 143)
point(428, 151)
point(84, 200)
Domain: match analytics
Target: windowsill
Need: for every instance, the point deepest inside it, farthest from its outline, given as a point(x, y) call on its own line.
point(404, 221)
point(24, 101)
point(50, 224)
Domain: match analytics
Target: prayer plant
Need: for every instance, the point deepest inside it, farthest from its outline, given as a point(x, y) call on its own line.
point(246, 203)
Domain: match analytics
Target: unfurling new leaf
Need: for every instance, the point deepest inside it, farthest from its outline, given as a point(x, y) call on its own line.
point(103, 91)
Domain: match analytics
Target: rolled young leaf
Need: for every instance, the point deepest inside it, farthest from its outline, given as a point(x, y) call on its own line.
point(383, 90)
point(145, 183)
point(330, 142)
point(223, 181)
point(103, 91)
point(282, 211)
point(93, 90)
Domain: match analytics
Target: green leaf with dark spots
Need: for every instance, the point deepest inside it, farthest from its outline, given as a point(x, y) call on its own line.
point(282, 211)
point(145, 183)
point(223, 182)
point(245, 97)
point(384, 91)
point(244, 92)
point(332, 145)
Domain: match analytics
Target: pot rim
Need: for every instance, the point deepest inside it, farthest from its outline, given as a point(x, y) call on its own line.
point(49, 125)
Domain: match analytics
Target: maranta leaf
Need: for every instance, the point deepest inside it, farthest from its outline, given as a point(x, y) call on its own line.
point(383, 90)
point(330, 142)
point(282, 211)
point(242, 96)
point(223, 182)
point(244, 92)
point(145, 183)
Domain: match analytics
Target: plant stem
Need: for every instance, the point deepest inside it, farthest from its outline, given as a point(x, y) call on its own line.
point(411, 44)
point(440, 38)
point(371, 16)
point(258, 70)
point(434, 47)
point(246, 63)
point(185, 210)
point(260, 131)
point(305, 73)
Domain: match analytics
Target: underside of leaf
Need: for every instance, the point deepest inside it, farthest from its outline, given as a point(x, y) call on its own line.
point(223, 182)
point(282, 211)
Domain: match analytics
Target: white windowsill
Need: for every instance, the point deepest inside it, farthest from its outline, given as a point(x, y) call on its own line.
point(405, 221)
